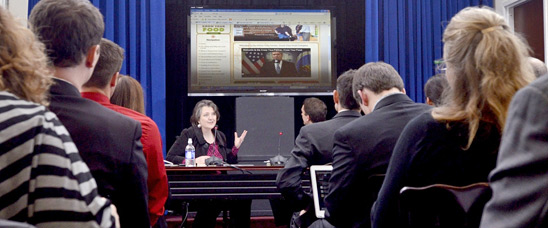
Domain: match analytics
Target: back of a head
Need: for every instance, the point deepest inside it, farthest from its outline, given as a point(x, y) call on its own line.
point(315, 109)
point(109, 63)
point(344, 88)
point(539, 68)
point(434, 88)
point(68, 28)
point(23, 64)
point(129, 94)
point(486, 65)
point(376, 77)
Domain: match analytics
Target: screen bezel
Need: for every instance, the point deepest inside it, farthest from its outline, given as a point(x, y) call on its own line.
point(264, 91)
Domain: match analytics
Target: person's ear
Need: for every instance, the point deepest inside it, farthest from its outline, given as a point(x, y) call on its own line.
point(363, 98)
point(335, 96)
point(92, 56)
point(429, 102)
point(403, 91)
point(114, 79)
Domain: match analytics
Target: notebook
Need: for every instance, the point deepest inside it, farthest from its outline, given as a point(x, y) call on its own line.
point(319, 175)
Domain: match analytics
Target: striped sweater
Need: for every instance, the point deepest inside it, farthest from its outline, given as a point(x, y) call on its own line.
point(43, 180)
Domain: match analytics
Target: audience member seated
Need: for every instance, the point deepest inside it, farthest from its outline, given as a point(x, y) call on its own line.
point(457, 143)
point(519, 181)
point(108, 142)
point(209, 142)
point(539, 68)
point(313, 110)
point(99, 89)
point(433, 89)
point(313, 146)
point(44, 181)
point(362, 148)
point(129, 94)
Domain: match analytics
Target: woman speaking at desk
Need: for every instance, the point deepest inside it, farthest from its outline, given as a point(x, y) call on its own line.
point(211, 143)
point(205, 138)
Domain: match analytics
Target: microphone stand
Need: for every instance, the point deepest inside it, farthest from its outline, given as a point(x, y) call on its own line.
point(278, 159)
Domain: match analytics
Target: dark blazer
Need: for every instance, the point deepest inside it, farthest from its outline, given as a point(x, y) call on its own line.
point(428, 153)
point(362, 148)
point(520, 179)
point(110, 144)
point(176, 153)
point(288, 69)
point(313, 146)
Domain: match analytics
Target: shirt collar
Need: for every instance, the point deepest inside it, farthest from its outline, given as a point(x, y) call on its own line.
point(98, 97)
point(385, 96)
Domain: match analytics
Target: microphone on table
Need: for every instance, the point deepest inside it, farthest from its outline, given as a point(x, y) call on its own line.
point(278, 159)
point(216, 127)
point(214, 160)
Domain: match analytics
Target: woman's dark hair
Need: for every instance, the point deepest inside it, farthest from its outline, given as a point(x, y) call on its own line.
point(197, 112)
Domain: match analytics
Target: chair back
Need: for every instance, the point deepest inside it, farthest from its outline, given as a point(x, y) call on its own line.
point(442, 205)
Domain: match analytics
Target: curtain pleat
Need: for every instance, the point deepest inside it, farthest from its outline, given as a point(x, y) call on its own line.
point(408, 36)
point(138, 26)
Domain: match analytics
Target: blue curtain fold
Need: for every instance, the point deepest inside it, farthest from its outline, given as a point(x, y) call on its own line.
point(408, 36)
point(138, 26)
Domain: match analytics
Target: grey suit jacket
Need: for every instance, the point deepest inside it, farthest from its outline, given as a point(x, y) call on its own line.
point(313, 146)
point(520, 180)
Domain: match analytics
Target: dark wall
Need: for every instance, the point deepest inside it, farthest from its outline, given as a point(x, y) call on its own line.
point(350, 38)
point(528, 21)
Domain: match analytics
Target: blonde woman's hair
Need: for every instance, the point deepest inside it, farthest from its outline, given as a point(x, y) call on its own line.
point(24, 68)
point(486, 65)
point(129, 94)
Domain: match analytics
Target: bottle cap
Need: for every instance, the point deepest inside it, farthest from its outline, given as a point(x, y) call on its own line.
point(189, 140)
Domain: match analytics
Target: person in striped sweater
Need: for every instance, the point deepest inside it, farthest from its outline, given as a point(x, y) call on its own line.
point(43, 180)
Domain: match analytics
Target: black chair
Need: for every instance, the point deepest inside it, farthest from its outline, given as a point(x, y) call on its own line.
point(442, 205)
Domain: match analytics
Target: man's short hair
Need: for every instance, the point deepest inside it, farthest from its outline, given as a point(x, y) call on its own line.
point(434, 88)
point(68, 28)
point(315, 109)
point(109, 63)
point(539, 68)
point(377, 77)
point(344, 88)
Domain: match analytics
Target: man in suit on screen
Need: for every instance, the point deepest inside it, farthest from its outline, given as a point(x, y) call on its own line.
point(279, 67)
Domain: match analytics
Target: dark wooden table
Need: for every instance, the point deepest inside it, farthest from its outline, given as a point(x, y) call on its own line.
point(223, 182)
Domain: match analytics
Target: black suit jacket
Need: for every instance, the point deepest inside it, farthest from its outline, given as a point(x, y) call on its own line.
point(427, 152)
point(362, 148)
point(109, 143)
point(313, 146)
point(288, 69)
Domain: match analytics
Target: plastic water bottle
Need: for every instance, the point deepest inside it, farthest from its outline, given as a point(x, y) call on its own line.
point(190, 153)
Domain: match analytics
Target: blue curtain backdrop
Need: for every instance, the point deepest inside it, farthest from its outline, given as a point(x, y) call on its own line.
point(408, 36)
point(138, 26)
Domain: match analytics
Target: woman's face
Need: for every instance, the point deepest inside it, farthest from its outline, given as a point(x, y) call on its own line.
point(208, 118)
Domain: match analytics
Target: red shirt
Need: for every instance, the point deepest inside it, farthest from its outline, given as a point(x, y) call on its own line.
point(152, 148)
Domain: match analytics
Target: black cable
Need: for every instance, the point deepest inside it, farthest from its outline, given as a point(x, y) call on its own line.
point(186, 215)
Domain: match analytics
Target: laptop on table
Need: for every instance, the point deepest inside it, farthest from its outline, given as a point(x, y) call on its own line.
point(319, 175)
